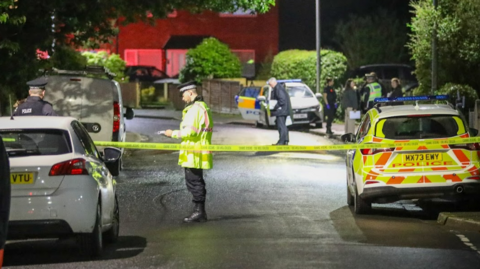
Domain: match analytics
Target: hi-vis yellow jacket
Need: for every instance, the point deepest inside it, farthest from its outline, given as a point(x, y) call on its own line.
point(195, 130)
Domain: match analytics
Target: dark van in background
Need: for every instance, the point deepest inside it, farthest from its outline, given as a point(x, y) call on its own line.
point(385, 72)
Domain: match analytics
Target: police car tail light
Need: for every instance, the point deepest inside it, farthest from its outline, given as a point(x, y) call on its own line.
point(116, 117)
point(70, 167)
point(375, 151)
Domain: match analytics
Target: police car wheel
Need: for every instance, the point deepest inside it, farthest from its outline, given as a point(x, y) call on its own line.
point(361, 206)
point(258, 124)
point(319, 125)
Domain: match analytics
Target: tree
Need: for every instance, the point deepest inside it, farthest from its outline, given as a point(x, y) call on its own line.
point(378, 38)
point(46, 25)
point(210, 59)
point(458, 42)
point(5, 18)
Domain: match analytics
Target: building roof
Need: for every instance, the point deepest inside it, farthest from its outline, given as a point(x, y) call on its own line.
point(184, 41)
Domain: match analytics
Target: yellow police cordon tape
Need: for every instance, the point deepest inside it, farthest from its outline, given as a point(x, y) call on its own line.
point(173, 147)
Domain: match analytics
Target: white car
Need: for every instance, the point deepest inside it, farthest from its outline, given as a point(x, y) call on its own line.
point(255, 104)
point(60, 183)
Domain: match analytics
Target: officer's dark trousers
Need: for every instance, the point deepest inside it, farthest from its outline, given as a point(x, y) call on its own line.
point(195, 184)
point(330, 115)
point(281, 122)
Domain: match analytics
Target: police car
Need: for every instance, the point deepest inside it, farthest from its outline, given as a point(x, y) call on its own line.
point(385, 175)
point(60, 184)
point(255, 104)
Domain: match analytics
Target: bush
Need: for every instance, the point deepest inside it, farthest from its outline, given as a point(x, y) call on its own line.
point(147, 94)
point(111, 61)
point(210, 59)
point(302, 64)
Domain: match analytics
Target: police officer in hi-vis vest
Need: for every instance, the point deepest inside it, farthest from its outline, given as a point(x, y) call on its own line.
point(34, 105)
point(196, 129)
point(371, 90)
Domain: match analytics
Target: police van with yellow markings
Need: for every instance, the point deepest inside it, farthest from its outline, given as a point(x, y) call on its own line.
point(256, 103)
point(386, 175)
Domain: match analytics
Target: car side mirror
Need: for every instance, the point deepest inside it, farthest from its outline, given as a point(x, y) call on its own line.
point(129, 113)
point(261, 98)
point(348, 138)
point(111, 155)
point(473, 132)
point(318, 95)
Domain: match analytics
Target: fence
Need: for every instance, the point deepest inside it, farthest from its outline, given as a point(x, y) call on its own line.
point(220, 95)
point(130, 94)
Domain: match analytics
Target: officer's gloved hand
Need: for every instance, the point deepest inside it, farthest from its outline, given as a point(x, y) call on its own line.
point(328, 106)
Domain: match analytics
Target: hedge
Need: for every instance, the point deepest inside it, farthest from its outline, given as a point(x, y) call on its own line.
point(302, 64)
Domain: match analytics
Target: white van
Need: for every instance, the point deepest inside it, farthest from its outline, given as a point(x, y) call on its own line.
point(95, 102)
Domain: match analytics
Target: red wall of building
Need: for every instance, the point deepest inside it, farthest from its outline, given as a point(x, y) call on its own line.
point(258, 32)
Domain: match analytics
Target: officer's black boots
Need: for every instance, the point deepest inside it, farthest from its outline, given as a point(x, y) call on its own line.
point(198, 214)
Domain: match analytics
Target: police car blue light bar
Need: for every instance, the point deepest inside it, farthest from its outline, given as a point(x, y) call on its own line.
point(412, 98)
point(289, 80)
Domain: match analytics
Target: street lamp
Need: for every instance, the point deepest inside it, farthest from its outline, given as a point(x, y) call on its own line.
point(317, 26)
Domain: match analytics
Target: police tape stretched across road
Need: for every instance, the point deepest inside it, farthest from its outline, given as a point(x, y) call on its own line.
point(258, 148)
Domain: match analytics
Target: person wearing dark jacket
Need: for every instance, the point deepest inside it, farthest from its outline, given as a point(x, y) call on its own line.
point(5, 195)
point(281, 110)
point(350, 103)
point(396, 91)
point(330, 98)
point(34, 105)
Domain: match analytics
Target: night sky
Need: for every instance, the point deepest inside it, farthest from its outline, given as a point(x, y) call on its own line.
point(297, 19)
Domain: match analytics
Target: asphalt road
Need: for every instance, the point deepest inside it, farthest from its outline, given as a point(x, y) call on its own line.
point(265, 210)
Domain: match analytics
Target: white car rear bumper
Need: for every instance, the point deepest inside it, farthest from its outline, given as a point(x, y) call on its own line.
point(73, 204)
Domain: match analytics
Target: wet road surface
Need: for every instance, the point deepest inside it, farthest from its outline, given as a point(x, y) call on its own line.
point(265, 210)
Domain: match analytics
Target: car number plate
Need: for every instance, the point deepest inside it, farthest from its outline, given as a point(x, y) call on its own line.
point(414, 157)
point(21, 178)
point(300, 116)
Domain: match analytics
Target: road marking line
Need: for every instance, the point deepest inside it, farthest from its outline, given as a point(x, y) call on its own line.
point(467, 242)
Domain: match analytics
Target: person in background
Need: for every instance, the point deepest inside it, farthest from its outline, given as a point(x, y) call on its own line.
point(350, 102)
point(372, 89)
point(330, 98)
point(281, 110)
point(397, 91)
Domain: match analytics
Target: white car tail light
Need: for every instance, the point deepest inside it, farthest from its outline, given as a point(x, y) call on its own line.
point(71, 167)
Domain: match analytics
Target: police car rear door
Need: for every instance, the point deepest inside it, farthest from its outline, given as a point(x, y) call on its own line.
point(247, 103)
